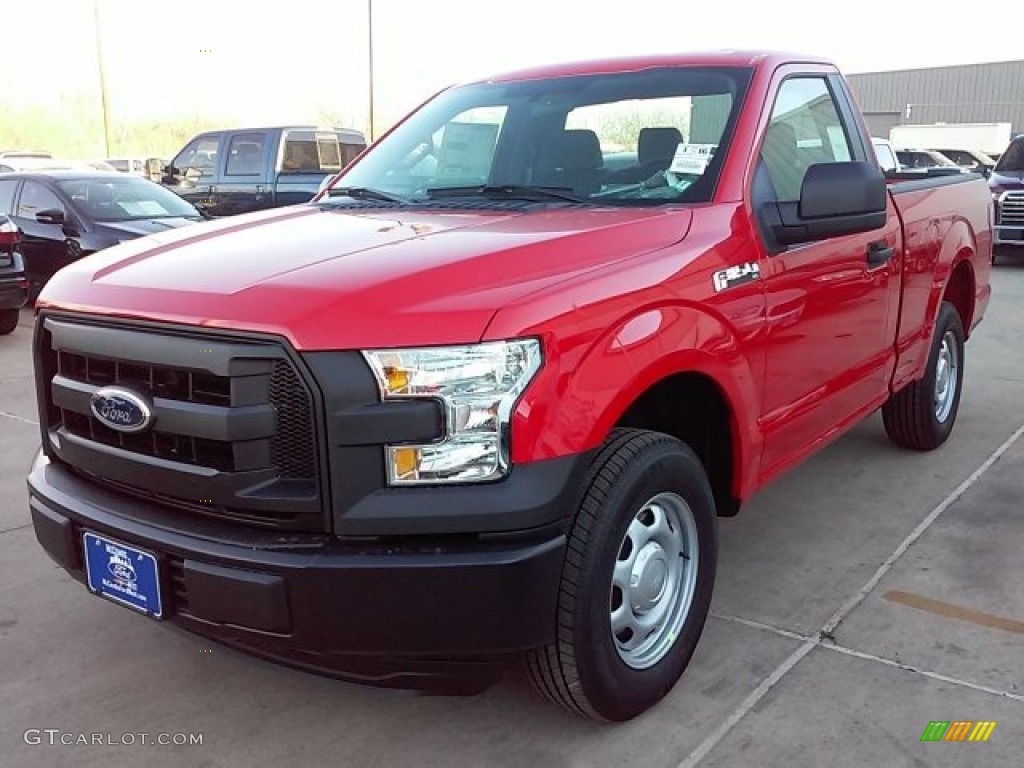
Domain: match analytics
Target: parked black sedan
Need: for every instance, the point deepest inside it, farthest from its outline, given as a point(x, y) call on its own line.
point(64, 215)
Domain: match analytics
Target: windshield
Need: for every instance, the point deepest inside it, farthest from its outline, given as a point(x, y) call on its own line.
point(1013, 158)
point(124, 199)
point(645, 137)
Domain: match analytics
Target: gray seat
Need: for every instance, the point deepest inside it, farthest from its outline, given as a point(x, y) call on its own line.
point(572, 159)
point(656, 146)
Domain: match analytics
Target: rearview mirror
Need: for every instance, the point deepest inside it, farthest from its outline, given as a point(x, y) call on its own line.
point(835, 199)
point(50, 216)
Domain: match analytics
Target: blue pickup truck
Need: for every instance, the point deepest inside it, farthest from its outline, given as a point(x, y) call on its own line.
point(236, 171)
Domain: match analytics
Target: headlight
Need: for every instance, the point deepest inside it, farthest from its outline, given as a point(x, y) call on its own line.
point(478, 386)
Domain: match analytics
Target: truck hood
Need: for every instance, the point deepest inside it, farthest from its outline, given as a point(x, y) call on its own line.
point(333, 278)
point(1006, 180)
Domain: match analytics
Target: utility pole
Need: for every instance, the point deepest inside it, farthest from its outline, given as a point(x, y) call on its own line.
point(103, 78)
point(369, 46)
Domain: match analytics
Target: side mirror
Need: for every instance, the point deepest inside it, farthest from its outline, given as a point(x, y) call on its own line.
point(835, 199)
point(50, 216)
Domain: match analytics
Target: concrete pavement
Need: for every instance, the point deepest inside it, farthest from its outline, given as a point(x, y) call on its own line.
point(911, 563)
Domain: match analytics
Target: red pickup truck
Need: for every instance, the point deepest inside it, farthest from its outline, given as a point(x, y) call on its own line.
point(483, 399)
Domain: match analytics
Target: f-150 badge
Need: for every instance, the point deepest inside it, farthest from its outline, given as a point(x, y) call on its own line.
point(738, 275)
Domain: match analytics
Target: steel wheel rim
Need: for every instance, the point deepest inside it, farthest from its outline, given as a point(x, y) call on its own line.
point(947, 372)
point(654, 580)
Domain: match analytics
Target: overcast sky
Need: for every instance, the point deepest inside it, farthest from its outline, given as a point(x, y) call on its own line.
point(256, 62)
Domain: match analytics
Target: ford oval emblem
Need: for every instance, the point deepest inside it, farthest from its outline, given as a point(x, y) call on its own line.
point(121, 409)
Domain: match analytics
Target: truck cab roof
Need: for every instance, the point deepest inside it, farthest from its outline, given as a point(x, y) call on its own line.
point(721, 58)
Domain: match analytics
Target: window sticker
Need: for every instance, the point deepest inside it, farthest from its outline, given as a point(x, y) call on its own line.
point(142, 208)
point(692, 158)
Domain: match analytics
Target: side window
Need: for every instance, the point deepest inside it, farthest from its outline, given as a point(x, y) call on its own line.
point(330, 152)
point(201, 155)
point(7, 187)
point(245, 154)
point(805, 129)
point(35, 198)
point(301, 153)
point(349, 152)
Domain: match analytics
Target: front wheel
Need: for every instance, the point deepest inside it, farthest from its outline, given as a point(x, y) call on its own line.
point(637, 580)
point(921, 415)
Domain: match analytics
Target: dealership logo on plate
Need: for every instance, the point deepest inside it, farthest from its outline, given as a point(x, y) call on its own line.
point(121, 568)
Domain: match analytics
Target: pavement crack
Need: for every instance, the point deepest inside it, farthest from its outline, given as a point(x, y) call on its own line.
point(954, 496)
point(16, 417)
point(924, 672)
point(15, 528)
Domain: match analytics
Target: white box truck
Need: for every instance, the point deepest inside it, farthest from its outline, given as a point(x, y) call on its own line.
point(985, 137)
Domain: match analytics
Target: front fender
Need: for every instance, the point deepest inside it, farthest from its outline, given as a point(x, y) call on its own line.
point(585, 387)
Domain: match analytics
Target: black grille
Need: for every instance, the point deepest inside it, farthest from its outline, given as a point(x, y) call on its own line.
point(292, 450)
point(1011, 210)
point(233, 436)
point(176, 575)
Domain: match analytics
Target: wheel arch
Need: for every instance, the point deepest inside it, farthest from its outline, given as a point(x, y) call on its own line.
point(680, 354)
point(960, 289)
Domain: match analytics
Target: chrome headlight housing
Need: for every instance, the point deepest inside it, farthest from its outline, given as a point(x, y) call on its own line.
point(478, 386)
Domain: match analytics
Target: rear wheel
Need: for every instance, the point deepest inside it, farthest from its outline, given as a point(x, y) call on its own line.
point(637, 580)
point(8, 320)
point(921, 415)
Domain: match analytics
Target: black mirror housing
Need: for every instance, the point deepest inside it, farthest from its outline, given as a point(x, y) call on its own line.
point(50, 216)
point(835, 199)
point(842, 189)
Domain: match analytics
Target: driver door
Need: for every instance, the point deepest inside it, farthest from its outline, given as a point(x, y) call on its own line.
point(831, 305)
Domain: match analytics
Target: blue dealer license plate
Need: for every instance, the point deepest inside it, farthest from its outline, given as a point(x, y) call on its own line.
point(123, 574)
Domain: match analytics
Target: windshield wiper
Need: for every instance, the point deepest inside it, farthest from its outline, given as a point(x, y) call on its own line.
point(365, 193)
point(508, 191)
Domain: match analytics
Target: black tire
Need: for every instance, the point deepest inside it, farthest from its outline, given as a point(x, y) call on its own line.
point(583, 670)
point(910, 415)
point(8, 320)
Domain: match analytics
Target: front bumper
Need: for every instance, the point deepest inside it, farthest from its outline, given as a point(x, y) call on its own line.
point(400, 612)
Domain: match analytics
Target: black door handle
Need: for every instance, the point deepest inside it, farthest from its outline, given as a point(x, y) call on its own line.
point(878, 254)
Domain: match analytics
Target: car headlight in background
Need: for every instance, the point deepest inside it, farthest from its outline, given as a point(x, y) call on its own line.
point(478, 386)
